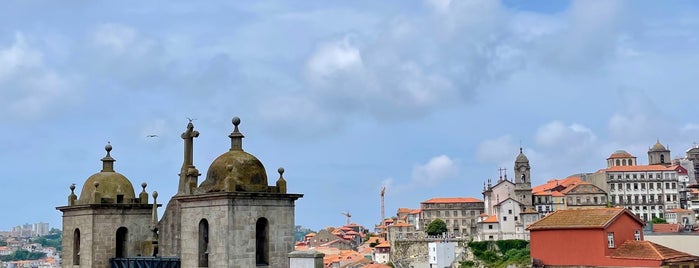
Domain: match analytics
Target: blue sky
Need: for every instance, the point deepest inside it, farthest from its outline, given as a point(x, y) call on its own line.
point(428, 98)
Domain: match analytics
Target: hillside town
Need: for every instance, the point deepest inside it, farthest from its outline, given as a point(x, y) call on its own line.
point(624, 214)
point(30, 245)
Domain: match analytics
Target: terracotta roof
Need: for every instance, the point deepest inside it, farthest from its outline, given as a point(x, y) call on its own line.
point(415, 211)
point(557, 194)
point(647, 250)
point(452, 200)
point(491, 219)
point(400, 224)
point(311, 234)
point(666, 228)
point(640, 168)
point(553, 183)
point(383, 244)
point(620, 154)
point(403, 210)
point(679, 210)
point(509, 198)
point(376, 265)
point(589, 189)
point(580, 218)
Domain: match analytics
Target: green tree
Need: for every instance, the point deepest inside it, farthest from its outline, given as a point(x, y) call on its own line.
point(658, 220)
point(436, 227)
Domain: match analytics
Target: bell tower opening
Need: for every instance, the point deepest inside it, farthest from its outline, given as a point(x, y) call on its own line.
point(203, 243)
point(121, 242)
point(262, 242)
point(76, 247)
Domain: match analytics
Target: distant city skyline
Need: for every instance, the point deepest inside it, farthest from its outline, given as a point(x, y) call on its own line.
point(427, 98)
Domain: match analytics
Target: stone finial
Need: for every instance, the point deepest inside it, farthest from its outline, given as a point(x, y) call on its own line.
point(108, 161)
point(236, 136)
point(96, 195)
point(72, 197)
point(281, 182)
point(154, 226)
point(143, 196)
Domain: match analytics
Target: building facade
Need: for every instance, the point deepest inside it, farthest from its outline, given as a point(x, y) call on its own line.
point(459, 214)
point(231, 219)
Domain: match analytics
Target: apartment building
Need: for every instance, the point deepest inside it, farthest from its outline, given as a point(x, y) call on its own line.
point(459, 213)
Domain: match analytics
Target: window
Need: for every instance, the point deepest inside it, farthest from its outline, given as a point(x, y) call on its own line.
point(610, 240)
point(504, 218)
point(121, 242)
point(76, 247)
point(490, 226)
point(203, 246)
point(516, 218)
point(509, 211)
point(262, 242)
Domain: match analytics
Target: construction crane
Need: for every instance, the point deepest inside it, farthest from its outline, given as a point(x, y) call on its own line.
point(347, 215)
point(383, 215)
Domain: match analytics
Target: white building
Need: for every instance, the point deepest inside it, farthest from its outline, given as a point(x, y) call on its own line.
point(441, 254)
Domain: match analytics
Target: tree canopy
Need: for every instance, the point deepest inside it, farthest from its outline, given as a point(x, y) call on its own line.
point(436, 227)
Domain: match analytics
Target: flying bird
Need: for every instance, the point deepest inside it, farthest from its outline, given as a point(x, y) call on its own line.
point(151, 136)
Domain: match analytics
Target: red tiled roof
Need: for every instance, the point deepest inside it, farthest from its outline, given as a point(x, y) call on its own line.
point(400, 224)
point(647, 250)
point(580, 218)
point(403, 210)
point(666, 228)
point(383, 244)
point(679, 210)
point(640, 168)
point(620, 154)
point(557, 194)
point(452, 200)
point(553, 183)
point(491, 219)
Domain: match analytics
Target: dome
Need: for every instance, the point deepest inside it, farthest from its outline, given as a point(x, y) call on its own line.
point(658, 147)
point(620, 154)
point(237, 166)
point(521, 157)
point(111, 185)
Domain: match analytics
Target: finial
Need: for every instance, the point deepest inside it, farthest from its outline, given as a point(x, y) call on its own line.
point(155, 194)
point(72, 188)
point(236, 136)
point(281, 171)
point(281, 182)
point(144, 185)
point(520, 149)
point(108, 161)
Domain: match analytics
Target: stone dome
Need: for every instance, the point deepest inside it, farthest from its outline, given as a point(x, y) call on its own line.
point(620, 154)
point(112, 186)
point(521, 157)
point(658, 147)
point(236, 165)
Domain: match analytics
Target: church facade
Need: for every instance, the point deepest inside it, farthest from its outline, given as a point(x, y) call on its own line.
point(233, 218)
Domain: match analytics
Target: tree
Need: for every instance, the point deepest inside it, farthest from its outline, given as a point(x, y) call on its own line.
point(658, 220)
point(436, 227)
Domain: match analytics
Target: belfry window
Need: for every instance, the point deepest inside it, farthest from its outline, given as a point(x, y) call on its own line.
point(203, 243)
point(262, 242)
point(121, 241)
point(76, 247)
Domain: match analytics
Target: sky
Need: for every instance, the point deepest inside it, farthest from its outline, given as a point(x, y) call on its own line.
point(427, 98)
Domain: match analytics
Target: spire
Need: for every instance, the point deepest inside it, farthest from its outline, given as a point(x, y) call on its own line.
point(281, 182)
point(236, 136)
point(108, 161)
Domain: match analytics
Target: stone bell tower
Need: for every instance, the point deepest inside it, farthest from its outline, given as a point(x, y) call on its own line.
point(233, 218)
point(523, 182)
point(107, 221)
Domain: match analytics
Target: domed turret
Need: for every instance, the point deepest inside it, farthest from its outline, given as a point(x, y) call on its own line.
point(657, 147)
point(521, 157)
point(235, 170)
point(113, 187)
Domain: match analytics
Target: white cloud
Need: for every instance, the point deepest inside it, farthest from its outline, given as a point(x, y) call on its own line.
point(557, 134)
point(434, 171)
point(333, 57)
point(500, 150)
point(28, 87)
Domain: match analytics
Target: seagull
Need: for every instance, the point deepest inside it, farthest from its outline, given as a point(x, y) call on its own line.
point(151, 136)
